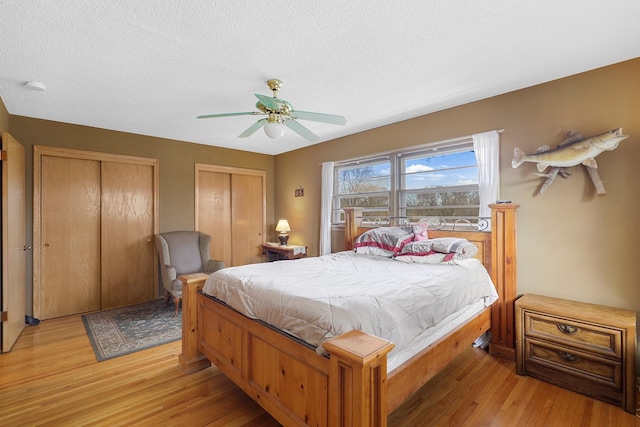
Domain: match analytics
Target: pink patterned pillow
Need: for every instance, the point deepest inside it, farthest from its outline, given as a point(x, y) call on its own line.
point(419, 248)
point(442, 250)
point(385, 241)
point(458, 248)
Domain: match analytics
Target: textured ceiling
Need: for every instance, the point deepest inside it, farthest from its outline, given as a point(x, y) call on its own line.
point(151, 66)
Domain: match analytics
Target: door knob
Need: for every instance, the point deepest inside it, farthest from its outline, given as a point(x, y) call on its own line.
point(46, 245)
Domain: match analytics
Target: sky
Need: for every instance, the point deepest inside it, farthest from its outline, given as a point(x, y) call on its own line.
point(443, 170)
point(435, 171)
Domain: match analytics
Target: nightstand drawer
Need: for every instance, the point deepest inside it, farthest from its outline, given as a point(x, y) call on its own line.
point(591, 338)
point(569, 361)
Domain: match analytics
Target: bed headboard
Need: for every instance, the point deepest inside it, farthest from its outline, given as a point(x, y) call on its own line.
point(482, 239)
point(496, 250)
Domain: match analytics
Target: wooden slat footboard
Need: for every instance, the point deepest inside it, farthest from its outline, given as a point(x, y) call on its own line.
point(289, 380)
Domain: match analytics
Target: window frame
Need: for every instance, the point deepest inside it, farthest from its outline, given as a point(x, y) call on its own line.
point(395, 160)
point(462, 145)
point(336, 211)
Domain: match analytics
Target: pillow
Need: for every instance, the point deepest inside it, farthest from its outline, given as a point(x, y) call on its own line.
point(442, 250)
point(373, 250)
point(416, 248)
point(420, 231)
point(460, 248)
point(383, 241)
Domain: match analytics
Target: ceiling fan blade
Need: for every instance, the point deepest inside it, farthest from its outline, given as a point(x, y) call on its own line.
point(253, 128)
point(301, 130)
point(319, 117)
point(208, 116)
point(267, 101)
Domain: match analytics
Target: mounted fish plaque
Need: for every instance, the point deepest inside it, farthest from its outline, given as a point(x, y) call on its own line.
point(573, 151)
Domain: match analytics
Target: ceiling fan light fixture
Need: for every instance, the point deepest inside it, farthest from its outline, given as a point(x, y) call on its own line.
point(280, 114)
point(274, 130)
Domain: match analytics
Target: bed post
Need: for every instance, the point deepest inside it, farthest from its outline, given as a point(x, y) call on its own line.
point(357, 380)
point(191, 360)
point(503, 274)
point(351, 224)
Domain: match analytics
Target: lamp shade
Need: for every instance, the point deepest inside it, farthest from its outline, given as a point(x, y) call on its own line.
point(274, 130)
point(283, 226)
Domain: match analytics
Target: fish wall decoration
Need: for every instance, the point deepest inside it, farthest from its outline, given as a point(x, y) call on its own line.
point(573, 151)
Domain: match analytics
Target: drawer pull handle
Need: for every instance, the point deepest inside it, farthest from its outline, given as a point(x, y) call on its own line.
point(567, 329)
point(568, 356)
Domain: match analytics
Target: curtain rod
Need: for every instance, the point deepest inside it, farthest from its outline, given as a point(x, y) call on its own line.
point(425, 145)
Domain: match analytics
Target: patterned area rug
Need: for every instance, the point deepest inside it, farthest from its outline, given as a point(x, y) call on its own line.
point(126, 330)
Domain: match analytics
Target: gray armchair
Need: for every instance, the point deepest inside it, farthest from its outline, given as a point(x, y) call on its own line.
point(183, 252)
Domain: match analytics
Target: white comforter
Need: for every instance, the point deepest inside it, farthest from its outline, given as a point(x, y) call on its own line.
point(322, 297)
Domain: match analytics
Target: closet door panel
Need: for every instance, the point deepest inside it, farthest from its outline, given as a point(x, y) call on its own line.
point(70, 252)
point(247, 218)
point(14, 246)
point(127, 232)
point(214, 212)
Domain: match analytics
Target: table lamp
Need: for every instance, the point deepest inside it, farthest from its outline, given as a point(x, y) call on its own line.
point(283, 228)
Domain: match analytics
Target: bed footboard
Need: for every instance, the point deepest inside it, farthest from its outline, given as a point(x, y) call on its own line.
point(297, 386)
point(289, 380)
point(191, 360)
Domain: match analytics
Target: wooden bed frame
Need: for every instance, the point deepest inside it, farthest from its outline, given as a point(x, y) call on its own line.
point(351, 387)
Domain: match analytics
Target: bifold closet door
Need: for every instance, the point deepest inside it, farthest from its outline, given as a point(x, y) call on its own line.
point(70, 263)
point(230, 207)
point(247, 218)
point(127, 234)
point(14, 246)
point(214, 212)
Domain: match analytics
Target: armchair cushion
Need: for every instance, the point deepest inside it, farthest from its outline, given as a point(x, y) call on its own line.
point(213, 266)
point(183, 252)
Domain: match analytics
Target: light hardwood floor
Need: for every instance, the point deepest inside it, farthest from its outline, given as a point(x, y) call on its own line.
point(51, 378)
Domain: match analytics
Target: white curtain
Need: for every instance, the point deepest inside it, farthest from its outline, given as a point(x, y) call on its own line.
point(325, 208)
point(487, 148)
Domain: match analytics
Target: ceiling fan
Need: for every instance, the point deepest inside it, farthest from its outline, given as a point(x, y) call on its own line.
point(279, 114)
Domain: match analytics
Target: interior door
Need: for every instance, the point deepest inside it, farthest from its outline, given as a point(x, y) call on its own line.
point(13, 241)
point(127, 234)
point(70, 252)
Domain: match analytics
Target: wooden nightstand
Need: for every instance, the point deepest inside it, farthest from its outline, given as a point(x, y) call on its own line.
point(277, 252)
point(584, 347)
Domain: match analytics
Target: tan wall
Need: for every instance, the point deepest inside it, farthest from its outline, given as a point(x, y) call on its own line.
point(571, 244)
point(4, 117)
point(176, 166)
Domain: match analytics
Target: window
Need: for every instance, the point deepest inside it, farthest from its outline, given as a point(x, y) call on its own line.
point(364, 184)
point(435, 180)
point(441, 183)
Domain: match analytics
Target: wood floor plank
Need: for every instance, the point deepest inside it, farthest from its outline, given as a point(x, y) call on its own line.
point(51, 377)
